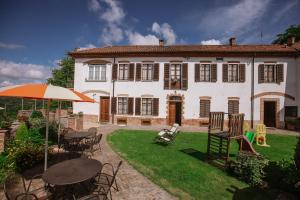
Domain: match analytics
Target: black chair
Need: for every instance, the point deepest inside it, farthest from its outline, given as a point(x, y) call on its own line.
point(105, 181)
point(19, 186)
point(93, 130)
point(26, 196)
point(45, 188)
point(91, 197)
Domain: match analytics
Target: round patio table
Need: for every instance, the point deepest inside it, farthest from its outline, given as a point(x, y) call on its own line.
point(72, 171)
point(78, 135)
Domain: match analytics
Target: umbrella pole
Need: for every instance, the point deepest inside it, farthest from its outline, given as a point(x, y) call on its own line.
point(59, 109)
point(47, 132)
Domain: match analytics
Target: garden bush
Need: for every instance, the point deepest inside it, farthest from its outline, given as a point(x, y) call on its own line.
point(53, 130)
point(35, 136)
point(282, 175)
point(22, 133)
point(36, 114)
point(249, 168)
point(37, 123)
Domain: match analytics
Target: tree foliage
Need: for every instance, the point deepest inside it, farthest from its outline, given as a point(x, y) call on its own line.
point(293, 30)
point(64, 75)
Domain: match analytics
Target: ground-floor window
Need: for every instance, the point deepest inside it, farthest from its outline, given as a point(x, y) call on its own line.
point(122, 105)
point(233, 106)
point(146, 106)
point(204, 107)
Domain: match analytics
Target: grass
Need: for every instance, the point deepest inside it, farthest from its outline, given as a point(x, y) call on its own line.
point(181, 169)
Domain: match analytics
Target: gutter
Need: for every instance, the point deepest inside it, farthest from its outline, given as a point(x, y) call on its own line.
point(252, 91)
point(113, 92)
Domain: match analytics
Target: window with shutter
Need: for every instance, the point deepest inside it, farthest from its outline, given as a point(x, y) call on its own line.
point(114, 72)
point(123, 71)
point(147, 72)
point(204, 107)
point(122, 105)
point(147, 106)
point(155, 107)
point(234, 73)
point(225, 73)
point(137, 106)
point(233, 106)
point(197, 72)
point(156, 72)
point(184, 76)
point(131, 72)
point(270, 73)
point(167, 76)
point(138, 71)
point(130, 106)
point(213, 69)
point(114, 105)
point(242, 73)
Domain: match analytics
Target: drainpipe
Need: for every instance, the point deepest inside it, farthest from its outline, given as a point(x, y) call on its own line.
point(252, 91)
point(113, 92)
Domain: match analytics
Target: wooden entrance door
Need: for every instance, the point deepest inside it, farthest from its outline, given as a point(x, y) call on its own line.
point(104, 109)
point(174, 113)
point(270, 113)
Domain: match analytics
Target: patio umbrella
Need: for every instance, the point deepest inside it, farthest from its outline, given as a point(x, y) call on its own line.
point(44, 91)
point(1, 108)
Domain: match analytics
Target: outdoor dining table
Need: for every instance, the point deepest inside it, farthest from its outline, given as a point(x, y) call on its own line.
point(78, 135)
point(72, 171)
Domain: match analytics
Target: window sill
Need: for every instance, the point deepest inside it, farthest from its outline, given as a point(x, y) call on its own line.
point(87, 80)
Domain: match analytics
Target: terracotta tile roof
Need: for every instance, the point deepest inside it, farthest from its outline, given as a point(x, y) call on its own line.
point(156, 50)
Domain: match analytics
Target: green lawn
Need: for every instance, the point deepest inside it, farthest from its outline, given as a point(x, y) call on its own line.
point(181, 168)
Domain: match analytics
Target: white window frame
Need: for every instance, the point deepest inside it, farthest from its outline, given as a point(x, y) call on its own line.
point(267, 70)
point(230, 73)
point(123, 107)
point(203, 69)
point(146, 111)
point(97, 72)
point(148, 68)
point(123, 75)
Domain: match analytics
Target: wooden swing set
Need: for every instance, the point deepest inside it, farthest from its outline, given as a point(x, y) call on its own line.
point(219, 141)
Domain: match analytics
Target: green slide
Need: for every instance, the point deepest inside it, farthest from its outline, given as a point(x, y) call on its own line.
point(250, 136)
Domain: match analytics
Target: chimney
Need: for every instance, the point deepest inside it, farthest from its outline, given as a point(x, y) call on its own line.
point(291, 40)
point(232, 41)
point(161, 42)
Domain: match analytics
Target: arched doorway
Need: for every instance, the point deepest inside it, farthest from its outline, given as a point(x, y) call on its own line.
point(175, 110)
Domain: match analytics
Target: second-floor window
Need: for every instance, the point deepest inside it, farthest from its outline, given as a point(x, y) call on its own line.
point(270, 73)
point(97, 72)
point(123, 71)
point(205, 72)
point(146, 106)
point(233, 72)
point(122, 105)
point(147, 72)
point(175, 75)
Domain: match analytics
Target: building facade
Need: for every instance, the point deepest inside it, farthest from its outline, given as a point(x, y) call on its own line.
point(161, 84)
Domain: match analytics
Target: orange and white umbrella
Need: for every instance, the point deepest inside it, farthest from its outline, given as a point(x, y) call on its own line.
point(44, 91)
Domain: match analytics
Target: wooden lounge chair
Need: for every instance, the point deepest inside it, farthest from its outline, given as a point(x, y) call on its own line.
point(166, 136)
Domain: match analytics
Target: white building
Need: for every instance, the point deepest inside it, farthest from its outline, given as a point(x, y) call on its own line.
point(161, 84)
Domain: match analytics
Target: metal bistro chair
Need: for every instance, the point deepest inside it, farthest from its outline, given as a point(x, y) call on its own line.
point(92, 145)
point(19, 186)
point(105, 181)
point(93, 130)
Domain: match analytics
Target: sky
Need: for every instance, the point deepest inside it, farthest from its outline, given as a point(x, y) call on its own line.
point(36, 34)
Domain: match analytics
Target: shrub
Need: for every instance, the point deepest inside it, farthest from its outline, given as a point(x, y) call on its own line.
point(35, 136)
point(282, 175)
point(53, 130)
point(37, 123)
point(22, 133)
point(249, 168)
point(36, 114)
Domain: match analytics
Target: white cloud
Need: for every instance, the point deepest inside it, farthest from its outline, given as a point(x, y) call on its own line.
point(166, 31)
point(94, 5)
point(6, 83)
point(111, 33)
point(211, 42)
point(114, 13)
point(136, 38)
point(87, 46)
point(235, 19)
point(11, 46)
point(13, 70)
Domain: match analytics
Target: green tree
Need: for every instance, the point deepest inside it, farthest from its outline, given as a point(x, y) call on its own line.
point(64, 75)
point(293, 30)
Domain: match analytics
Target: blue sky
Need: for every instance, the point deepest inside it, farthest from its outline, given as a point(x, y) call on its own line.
point(35, 34)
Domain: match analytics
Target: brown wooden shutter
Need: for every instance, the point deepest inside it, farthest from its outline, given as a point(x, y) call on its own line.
point(138, 71)
point(130, 106)
point(137, 106)
point(225, 72)
point(167, 76)
point(197, 72)
point(279, 73)
point(204, 108)
point(233, 106)
point(114, 75)
point(156, 72)
point(113, 107)
point(213, 71)
point(261, 77)
point(131, 72)
point(155, 107)
point(242, 73)
point(184, 76)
